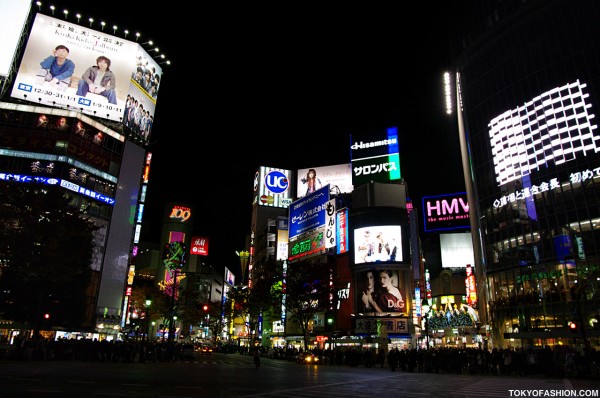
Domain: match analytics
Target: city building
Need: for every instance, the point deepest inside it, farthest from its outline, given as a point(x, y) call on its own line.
point(91, 145)
point(528, 81)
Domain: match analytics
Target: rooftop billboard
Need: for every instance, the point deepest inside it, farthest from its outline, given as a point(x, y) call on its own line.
point(339, 177)
point(61, 67)
point(375, 157)
point(12, 21)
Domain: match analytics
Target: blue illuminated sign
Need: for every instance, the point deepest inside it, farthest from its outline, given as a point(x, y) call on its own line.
point(57, 181)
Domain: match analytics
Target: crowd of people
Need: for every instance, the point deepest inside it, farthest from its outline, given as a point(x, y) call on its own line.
point(558, 361)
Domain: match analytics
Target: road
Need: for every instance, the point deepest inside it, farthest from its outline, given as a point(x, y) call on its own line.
point(234, 375)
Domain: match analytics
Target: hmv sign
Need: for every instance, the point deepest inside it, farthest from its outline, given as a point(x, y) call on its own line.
point(446, 212)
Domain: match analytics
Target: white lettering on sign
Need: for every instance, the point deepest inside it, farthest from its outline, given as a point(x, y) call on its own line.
point(443, 207)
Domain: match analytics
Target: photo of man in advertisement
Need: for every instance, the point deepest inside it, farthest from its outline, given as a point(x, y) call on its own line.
point(99, 79)
point(66, 77)
point(56, 69)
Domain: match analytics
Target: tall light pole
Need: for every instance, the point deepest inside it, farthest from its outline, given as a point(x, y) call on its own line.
point(474, 217)
point(148, 303)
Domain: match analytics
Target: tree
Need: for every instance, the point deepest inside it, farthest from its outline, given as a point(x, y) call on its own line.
point(159, 308)
point(46, 248)
point(252, 303)
point(307, 292)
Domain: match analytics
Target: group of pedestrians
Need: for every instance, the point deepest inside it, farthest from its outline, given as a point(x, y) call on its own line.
point(93, 350)
point(558, 361)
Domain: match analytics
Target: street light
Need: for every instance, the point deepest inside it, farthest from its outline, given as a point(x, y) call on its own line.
point(148, 303)
point(244, 255)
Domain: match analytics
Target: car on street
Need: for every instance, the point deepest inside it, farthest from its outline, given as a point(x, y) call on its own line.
point(205, 349)
point(307, 357)
point(187, 351)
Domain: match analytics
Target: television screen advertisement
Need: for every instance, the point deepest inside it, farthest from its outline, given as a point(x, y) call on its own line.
point(12, 20)
point(132, 73)
point(378, 244)
point(308, 213)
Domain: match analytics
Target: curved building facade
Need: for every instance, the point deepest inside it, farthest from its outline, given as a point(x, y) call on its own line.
point(529, 86)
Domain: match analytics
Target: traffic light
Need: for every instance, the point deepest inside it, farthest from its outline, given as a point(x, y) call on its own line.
point(205, 307)
point(573, 327)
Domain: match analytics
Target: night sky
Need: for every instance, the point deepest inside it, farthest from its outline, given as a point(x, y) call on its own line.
point(284, 87)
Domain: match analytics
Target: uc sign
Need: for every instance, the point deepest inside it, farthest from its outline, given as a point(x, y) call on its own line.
point(180, 213)
point(277, 182)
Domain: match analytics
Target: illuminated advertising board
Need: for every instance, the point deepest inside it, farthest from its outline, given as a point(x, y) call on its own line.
point(134, 75)
point(457, 250)
point(282, 238)
point(59, 182)
point(229, 277)
point(308, 213)
point(180, 213)
point(446, 212)
point(339, 178)
point(272, 187)
point(375, 157)
point(382, 243)
point(552, 128)
point(330, 224)
point(12, 21)
point(471, 287)
point(380, 291)
point(370, 326)
point(310, 245)
point(199, 246)
point(342, 231)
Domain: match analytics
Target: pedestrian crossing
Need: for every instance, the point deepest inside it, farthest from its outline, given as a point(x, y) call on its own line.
point(417, 385)
point(509, 386)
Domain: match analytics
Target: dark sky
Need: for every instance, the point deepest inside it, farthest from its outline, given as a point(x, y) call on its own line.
point(285, 87)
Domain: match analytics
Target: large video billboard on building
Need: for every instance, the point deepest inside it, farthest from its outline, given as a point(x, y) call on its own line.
point(381, 243)
point(12, 21)
point(132, 78)
point(339, 178)
point(457, 250)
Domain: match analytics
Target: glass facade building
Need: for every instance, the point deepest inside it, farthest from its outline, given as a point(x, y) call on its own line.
point(529, 87)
